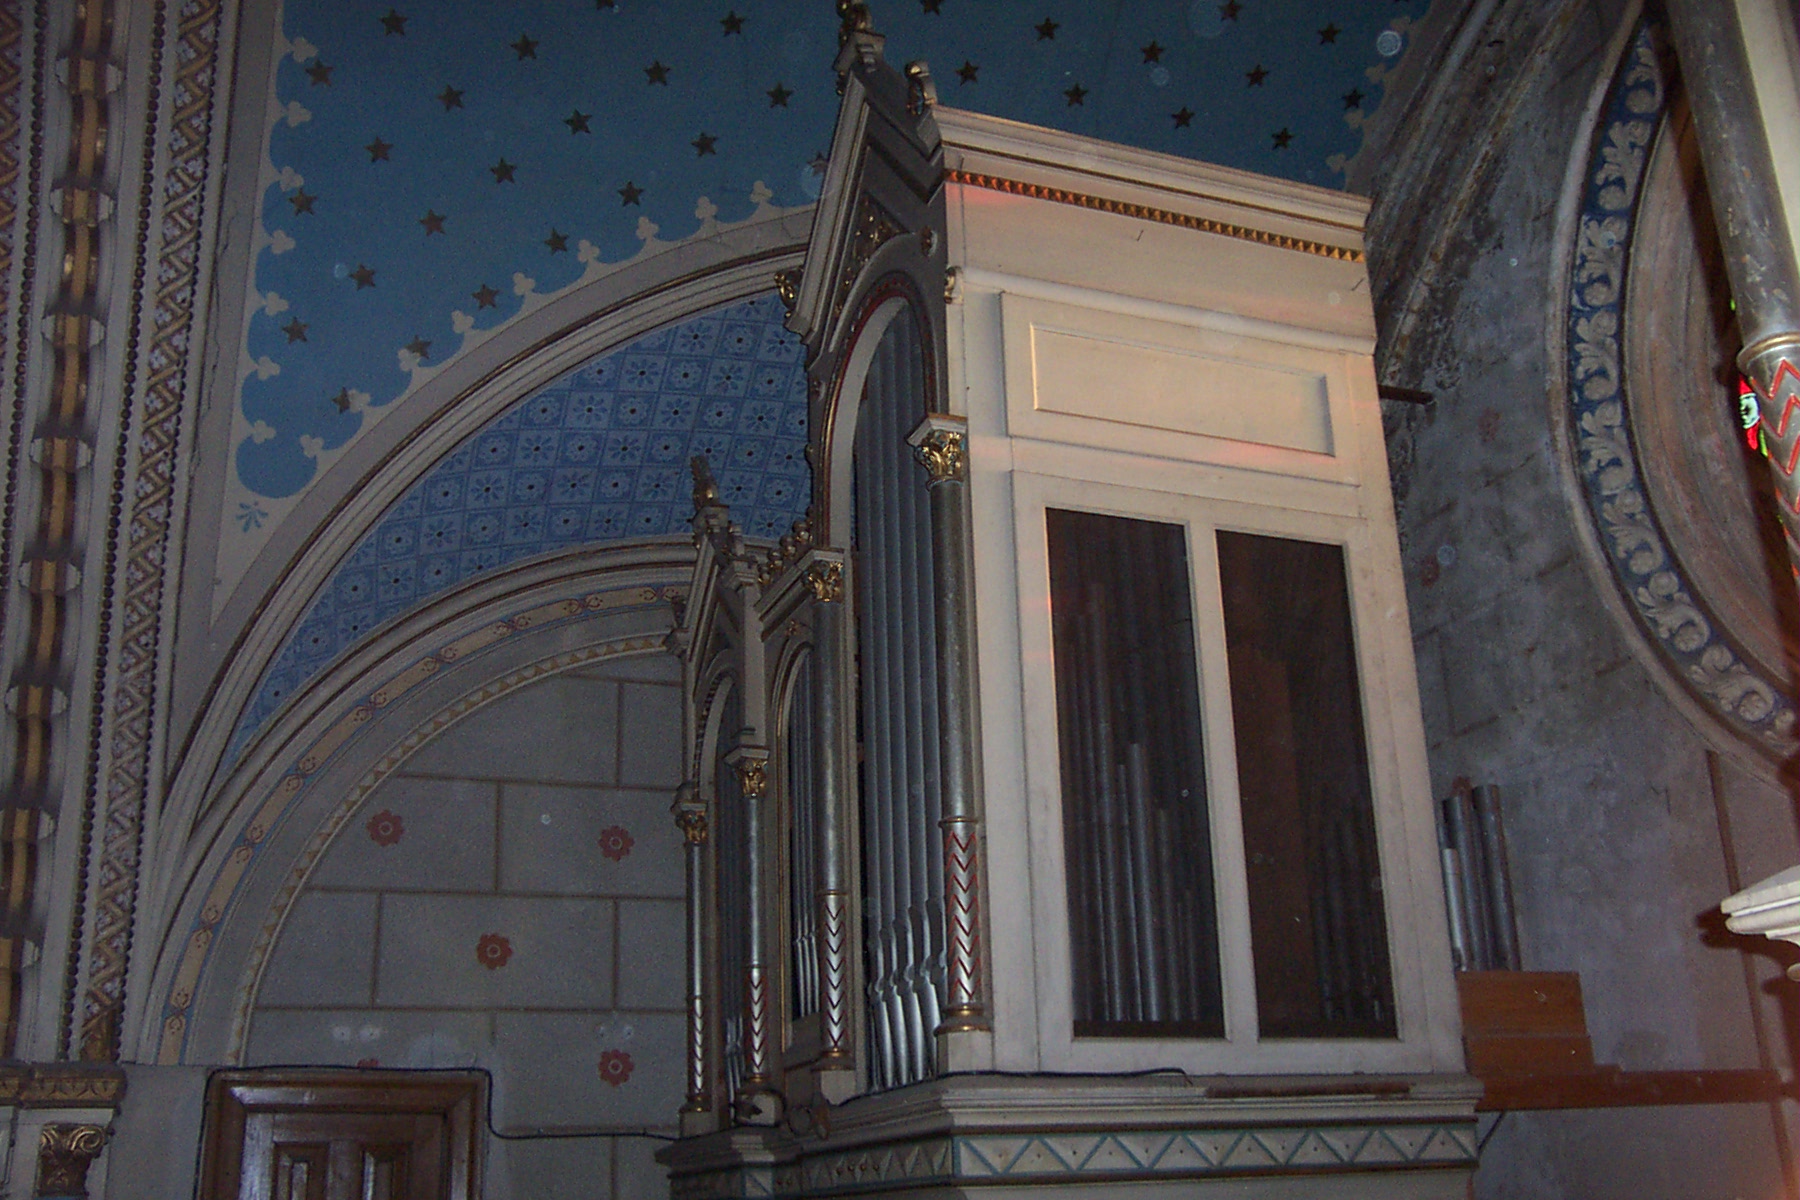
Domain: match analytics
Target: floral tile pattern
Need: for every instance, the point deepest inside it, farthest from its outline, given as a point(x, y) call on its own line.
point(600, 455)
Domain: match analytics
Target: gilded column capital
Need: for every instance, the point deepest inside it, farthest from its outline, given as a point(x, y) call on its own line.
point(750, 764)
point(65, 1152)
point(939, 444)
point(826, 579)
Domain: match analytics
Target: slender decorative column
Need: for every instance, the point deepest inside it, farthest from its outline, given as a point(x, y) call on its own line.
point(1765, 286)
point(830, 793)
point(751, 765)
point(690, 818)
point(1759, 255)
point(939, 444)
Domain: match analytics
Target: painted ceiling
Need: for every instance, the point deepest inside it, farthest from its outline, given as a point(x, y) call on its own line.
point(600, 455)
point(435, 171)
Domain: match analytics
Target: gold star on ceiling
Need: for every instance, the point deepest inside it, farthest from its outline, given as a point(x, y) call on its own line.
point(320, 74)
point(525, 47)
point(450, 98)
point(485, 296)
point(393, 24)
point(503, 171)
point(577, 121)
point(657, 73)
point(630, 192)
point(433, 222)
point(364, 276)
point(378, 149)
point(295, 330)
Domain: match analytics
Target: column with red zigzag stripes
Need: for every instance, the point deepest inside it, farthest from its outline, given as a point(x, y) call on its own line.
point(1753, 229)
point(940, 444)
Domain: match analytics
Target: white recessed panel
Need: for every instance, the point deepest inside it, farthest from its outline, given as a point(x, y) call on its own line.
point(1180, 390)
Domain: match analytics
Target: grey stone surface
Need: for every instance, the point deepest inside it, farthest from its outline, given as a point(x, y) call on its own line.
point(549, 1068)
point(155, 1145)
point(652, 972)
point(550, 1169)
point(1684, 1153)
point(637, 1174)
point(564, 729)
point(644, 668)
point(560, 952)
point(408, 1038)
point(446, 839)
point(551, 841)
point(325, 953)
point(649, 742)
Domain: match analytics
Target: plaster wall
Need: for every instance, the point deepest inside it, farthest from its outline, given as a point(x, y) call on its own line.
point(1613, 792)
point(512, 900)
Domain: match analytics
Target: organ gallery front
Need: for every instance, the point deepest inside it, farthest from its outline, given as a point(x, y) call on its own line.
point(1056, 806)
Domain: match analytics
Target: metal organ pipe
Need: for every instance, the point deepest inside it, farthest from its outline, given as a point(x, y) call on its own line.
point(901, 723)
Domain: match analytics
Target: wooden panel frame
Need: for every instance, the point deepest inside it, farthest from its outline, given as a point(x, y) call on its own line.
point(459, 1098)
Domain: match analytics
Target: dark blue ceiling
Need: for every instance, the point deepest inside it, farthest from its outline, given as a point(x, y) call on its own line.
point(437, 169)
point(434, 164)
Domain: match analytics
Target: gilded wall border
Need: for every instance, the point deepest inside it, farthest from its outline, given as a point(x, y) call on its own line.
point(1672, 615)
point(325, 749)
point(157, 375)
point(1162, 216)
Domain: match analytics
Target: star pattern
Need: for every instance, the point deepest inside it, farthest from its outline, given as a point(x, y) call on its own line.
point(504, 123)
point(600, 455)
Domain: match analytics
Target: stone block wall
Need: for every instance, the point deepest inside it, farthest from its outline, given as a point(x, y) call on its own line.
point(511, 899)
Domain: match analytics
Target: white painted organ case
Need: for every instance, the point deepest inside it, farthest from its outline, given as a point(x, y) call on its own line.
point(1097, 804)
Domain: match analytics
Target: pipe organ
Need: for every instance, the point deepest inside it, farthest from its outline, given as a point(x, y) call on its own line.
point(1057, 811)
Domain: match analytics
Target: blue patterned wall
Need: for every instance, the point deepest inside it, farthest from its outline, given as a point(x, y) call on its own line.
point(599, 455)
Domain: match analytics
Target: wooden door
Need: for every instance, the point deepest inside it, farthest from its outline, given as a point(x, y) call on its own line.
point(342, 1135)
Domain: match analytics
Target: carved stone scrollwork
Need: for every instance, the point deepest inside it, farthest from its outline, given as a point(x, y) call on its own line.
point(941, 450)
point(65, 1152)
point(826, 579)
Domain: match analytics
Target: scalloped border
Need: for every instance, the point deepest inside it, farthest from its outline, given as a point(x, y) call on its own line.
point(1675, 619)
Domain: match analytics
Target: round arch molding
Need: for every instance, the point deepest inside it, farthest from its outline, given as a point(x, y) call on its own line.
point(1678, 506)
point(227, 900)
